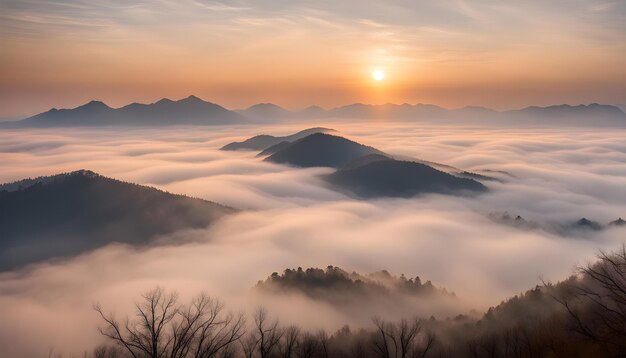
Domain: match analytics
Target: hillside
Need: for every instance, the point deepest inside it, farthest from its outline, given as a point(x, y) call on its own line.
point(68, 214)
point(265, 141)
point(395, 178)
point(321, 150)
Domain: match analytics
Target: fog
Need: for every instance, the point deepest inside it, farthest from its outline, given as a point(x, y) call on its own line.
point(292, 219)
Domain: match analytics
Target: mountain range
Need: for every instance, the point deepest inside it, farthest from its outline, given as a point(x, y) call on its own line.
point(195, 111)
point(190, 110)
point(573, 228)
point(72, 213)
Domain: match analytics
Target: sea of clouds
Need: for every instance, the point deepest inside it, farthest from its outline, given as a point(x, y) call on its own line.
point(290, 218)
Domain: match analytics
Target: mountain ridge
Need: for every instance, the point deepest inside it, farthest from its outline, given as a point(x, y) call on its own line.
point(265, 141)
point(193, 110)
point(189, 110)
point(400, 179)
point(72, 213)
point(321, 150)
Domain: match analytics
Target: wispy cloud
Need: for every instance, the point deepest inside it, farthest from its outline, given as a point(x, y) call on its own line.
point(313, 48)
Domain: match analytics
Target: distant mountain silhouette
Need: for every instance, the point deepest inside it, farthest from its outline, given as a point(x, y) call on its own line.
point(191, 110)
point(618, 222)
point(585, 223)
point(570, 228)
point(593, 114)
point(562, 115)
point(68, 214)
point(395, 178)
point(266, 112)
point(264, 141)
point(312, 112)
point(516, 221)
point(321, 150)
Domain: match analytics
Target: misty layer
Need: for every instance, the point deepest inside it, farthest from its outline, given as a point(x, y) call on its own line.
point(581, 227)
point(579, 317)
point(548, 175)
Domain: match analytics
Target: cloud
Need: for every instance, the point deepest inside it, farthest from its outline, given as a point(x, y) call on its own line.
point(293, 220)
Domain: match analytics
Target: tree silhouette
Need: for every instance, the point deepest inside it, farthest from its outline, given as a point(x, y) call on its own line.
point(162, 328)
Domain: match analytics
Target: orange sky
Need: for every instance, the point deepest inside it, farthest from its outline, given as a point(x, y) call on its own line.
point(297, 53)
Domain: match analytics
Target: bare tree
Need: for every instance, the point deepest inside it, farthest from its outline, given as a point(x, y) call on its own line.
point(596, 303)
point(249, 345)
point(428, 342)
point(144, 337)
point(407, 332)
point(322, 340)
point(307, 347)
point(400, 340)
point(382, 339)
point(288, 344)
point(163, 329)
point(105, 351)
point(264, 339)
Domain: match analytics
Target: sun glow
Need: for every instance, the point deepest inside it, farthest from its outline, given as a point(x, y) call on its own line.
point(378, 75)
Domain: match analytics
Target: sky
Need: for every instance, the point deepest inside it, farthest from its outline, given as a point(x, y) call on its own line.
point(499, 54)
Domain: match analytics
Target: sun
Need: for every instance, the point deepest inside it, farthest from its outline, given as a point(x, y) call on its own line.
point(378, 75)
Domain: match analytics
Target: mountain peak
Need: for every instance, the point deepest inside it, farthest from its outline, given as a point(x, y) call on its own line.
point(25, 183)
point(321, 150)
point(618, 222)
point(164, 101)
point(586, 223)
point(94, 105)
point(264, 141)
point(192, 99)
point(83, 172)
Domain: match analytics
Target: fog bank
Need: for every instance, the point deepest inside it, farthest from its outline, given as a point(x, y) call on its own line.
point(291, 219)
